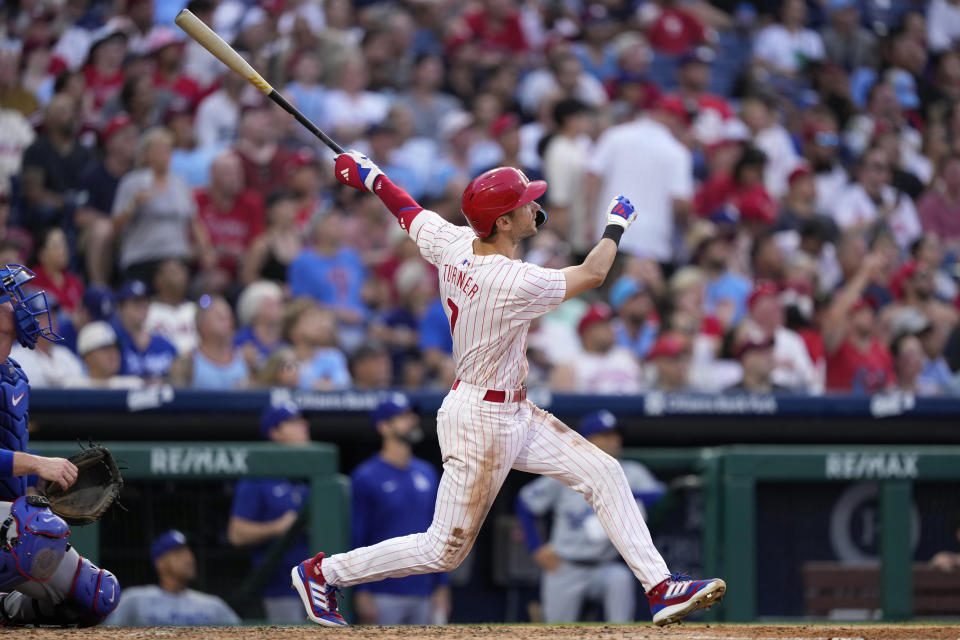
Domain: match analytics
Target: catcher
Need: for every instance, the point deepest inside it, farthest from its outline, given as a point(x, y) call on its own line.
point(43, 580)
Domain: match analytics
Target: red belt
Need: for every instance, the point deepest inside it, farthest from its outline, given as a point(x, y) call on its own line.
point(495, 395)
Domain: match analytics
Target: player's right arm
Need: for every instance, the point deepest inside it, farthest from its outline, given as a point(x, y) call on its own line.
point(591, 273)
point(430, 231)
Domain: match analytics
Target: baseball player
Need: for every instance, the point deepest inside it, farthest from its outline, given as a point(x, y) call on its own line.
point(486, 426)
point(579, 562)
point(264, 508)
point(43, 580)
point(170, 603)
point(394, 495)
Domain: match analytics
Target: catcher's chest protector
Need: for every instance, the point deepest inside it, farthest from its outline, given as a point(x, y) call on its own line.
point(14, 400)
point(32, 540)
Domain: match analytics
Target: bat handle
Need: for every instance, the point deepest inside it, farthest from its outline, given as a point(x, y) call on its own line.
point(312, 128)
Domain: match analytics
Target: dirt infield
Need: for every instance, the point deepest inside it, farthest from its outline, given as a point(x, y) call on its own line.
point(511, 632)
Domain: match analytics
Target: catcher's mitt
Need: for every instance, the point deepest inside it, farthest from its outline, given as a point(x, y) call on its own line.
point(98, 485)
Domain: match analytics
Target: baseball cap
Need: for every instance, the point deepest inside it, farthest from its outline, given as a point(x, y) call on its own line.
point(863, 303)
point(702, 54)
point(99, 302)
point(502, 124)
point(597, 312)
point(597, 422)
point(132, 289)
point(667, 345)
point(275, 414)
point(839, 5)
point(800, 171)
point(94, 336)
point(905, 87)
point(115, 124)
point(752, 343)
point(623, 289)
point(160, 37)
point(674, 105)
point(393, 405)
point(167, 541)
point(762, 289)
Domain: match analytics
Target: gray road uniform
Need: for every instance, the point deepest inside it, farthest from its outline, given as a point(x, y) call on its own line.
point(590, 567)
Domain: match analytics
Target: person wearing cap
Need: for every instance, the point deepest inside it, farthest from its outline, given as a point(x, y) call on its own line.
point(635, 326)
point(264, 508)
point(670, 357)
point(170, 602)
point(579, 562)
point(165, 45)
point(144, 354)
point(724, 291)
point(97, 345)
point(103, 70)
point(799, 205)
point(755, 352)
point(97, 190)
point(393, 494)
point(821, 148)
point(564, 165)
point(693, 81)
point(49, 365)
point(659, 181)
point(792, 367)
point(857, 360)
point(601, 365)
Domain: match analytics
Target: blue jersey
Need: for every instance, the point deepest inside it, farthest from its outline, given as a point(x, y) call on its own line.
point(333, 281)
point(434, 329)
point(14, 400)
point(152, 362)
point(266, 499)
point(389, 502)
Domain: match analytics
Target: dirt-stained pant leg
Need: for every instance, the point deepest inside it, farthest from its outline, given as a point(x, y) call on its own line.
point(479, 441)
point(554, 449)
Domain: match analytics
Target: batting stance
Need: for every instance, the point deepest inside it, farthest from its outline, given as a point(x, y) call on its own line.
point(43, 580)
point(579, 563)
point(486, 426)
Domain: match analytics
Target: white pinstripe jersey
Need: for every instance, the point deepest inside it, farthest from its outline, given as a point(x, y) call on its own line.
point(489, 300)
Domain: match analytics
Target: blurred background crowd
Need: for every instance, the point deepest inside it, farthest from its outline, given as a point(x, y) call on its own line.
point(795, 165)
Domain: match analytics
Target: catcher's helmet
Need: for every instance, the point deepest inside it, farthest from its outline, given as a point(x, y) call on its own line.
point(496, 192)
point(30, 309)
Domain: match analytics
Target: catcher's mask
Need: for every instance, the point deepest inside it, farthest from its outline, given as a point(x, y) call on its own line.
point(31, 310)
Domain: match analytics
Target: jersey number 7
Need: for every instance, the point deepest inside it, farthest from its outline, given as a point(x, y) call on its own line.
point(454, 312)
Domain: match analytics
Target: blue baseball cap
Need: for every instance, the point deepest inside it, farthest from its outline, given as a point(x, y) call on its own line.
point(623, 289)
point(393, 405)
point(275, 414)
point(99, 302)
point(167, 541)
point(840, 5)
point(132, 289)
point(597, 422)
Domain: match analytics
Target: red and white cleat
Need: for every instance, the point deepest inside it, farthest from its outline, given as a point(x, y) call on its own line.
point(319, 598)
point(678, 596)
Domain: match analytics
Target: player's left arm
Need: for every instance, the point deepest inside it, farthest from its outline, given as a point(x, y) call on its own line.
point(591, 273)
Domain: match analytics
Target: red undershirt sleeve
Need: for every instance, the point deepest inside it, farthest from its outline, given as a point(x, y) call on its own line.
point(401, 205)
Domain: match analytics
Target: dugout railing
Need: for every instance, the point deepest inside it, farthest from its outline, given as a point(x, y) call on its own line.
point(326, 518)
point(732, 474)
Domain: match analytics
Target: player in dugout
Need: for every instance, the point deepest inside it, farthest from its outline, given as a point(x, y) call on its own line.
point(579, 563)
point(485, 425)
point(43, 580)
point(393, 494)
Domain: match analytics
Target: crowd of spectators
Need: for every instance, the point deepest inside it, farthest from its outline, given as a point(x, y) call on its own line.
point(795, 165)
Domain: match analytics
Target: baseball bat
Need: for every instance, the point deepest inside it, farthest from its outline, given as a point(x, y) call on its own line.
point(226, 54)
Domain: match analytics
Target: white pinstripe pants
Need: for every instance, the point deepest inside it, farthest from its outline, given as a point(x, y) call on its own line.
point(480, 442)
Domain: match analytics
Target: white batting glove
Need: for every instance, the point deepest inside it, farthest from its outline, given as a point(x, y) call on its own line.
point(356, 170)
point(621, 212)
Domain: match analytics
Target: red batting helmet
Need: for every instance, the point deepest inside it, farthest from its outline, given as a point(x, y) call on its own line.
point(496, 192)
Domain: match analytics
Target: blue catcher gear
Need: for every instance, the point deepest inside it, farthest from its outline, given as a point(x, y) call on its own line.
point(31, 311)
point(33, 539)
point(95, 593)
point(14, 400)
